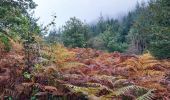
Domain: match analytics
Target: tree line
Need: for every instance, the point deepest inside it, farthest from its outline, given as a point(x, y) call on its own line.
point(145, 29)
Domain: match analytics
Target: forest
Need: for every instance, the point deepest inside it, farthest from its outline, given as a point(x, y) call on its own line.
point(125, 58)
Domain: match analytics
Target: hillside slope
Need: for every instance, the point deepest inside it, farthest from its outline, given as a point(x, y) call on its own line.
point(84, 74)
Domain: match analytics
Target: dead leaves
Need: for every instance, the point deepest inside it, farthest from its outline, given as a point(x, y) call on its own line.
point(4, 75)
point(93, 73)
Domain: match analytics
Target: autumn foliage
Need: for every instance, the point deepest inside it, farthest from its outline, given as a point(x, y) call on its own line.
point(85, 74)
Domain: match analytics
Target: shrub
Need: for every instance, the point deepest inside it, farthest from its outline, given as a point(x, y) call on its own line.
point(160, 49)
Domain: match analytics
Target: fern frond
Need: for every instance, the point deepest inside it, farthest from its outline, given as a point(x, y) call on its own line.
point(129, 89)
point(153, 73)
point(133, 62)
point(9, 92)
point(119, 83)
point(72, 65)
point(84, 90)
point(139, 92)
point(148, 96)
point(92, 85)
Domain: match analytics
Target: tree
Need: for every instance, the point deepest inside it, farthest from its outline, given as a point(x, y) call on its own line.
point(75, 33)
point(160, 38)
point(18, 24)
point(111, 39)
point(96, 43)
point(14, 18)
point(12, 14)
point(54, 36)
point(125, 25)
point(140, 30)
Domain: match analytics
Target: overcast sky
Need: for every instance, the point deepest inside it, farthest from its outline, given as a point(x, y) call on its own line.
point(86, 10)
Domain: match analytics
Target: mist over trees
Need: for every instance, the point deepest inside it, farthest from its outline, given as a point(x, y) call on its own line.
point(144, 29)
point(130, 34)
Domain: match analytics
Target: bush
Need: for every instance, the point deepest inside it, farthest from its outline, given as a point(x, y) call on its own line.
point(160, 37)
point(5, 41)
point(160, 49)
point(74, 33)
point(114, 46)
point(96, 43)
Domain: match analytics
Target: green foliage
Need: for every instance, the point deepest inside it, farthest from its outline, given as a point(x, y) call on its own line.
point(160, 37)
point(33, 98)
point(160, 49)
point(97, 43)
point(112, 37)
point(121, 47)
point(105, 34)
point(152, 34)
point(126, 25)
point(75, 33)
point(140, 30)
point(54, 37)
point(9, 98)
point(145, 28)
point(5, 42)
point(111, 40)
point(15, 20)
point(27, 75)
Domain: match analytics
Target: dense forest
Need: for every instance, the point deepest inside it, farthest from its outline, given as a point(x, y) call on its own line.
point(126, 58)
point(130, 34)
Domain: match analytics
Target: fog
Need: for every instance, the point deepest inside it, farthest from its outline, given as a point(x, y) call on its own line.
point(86, 10)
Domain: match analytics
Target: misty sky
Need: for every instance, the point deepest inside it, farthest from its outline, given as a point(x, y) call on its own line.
point(86, 10)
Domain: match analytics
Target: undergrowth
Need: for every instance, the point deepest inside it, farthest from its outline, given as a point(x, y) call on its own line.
point(84, 74)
